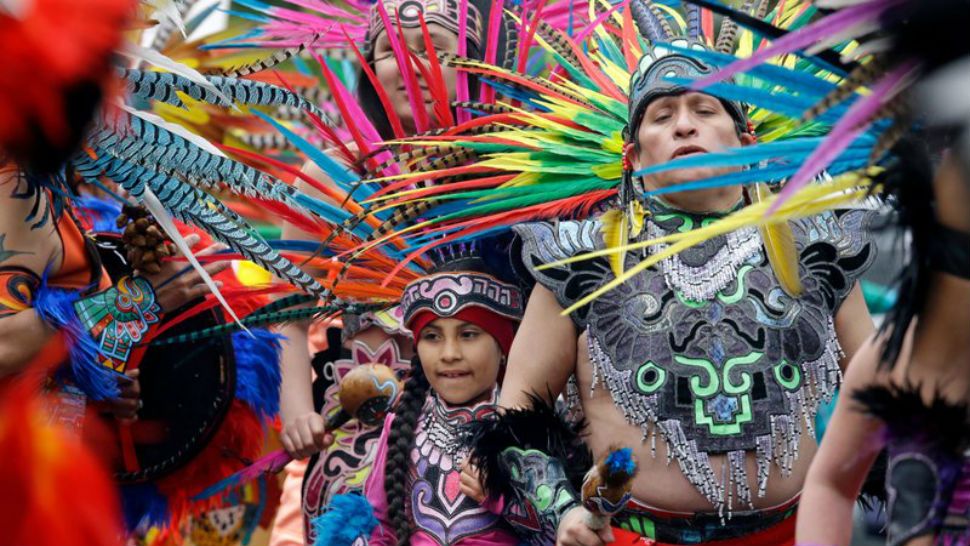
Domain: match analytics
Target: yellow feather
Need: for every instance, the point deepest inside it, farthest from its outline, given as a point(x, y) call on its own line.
point(609, 171)
point(779, 243)
point(614, 228)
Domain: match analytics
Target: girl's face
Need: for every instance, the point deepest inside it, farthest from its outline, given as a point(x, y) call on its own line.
point(391, 78)
point(460, 359)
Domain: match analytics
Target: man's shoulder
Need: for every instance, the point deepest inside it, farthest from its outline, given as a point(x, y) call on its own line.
point(849, 228)
point(551, 241)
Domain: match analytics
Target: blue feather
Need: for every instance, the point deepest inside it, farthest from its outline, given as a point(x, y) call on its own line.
point(786, 104)
point(102, 212)
point(525, 96)
point(775, 172)
point(192, 24)
point(55, 306)
point(790, 150)
point(255, 5)
point(348, 517)
point(322, 208)
point(621, 460)
point(258, 370)
point(233, 42)
point(143, 506)
point(297, 245)
point(792, 80)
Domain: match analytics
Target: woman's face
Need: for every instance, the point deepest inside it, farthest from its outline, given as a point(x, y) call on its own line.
point(391, 78)
point(460, 360)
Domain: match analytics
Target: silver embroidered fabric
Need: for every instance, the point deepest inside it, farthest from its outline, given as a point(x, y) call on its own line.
point(706, 350)
point(704, 282)
point(723, 486)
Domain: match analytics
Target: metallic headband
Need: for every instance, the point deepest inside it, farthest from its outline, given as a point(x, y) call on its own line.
point(445, 294)
point(442, 12)
point(649, 81)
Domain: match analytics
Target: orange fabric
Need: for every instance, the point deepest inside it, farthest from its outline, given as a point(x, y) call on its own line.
point(75, 271)
point(782, 534)
point(288, 525)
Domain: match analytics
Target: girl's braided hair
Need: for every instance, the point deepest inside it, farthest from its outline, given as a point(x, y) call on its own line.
point(400, 441)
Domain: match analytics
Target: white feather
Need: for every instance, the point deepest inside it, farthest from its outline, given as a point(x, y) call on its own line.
point(869, 47)
point(167, 9)
point(856, 30)
point(148, 117)
point(155, 206)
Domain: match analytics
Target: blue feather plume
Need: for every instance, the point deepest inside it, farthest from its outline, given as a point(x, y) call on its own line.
point(621, 460)
point(143, 506)
point(55, 306)
point(348, 517)
point(258, 370)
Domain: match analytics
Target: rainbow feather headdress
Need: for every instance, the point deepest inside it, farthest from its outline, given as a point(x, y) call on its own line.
point(551, 147)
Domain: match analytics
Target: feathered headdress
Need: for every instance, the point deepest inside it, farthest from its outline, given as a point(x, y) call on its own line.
point(554, 146)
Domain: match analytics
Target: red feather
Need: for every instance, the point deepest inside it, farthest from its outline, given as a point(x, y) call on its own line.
point(55, 54)
point(239, 439)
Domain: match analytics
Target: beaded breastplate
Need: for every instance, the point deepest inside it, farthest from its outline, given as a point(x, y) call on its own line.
point(705, 348)
point(437, 505)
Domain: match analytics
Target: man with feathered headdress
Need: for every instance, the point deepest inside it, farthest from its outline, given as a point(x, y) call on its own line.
point(715, 357)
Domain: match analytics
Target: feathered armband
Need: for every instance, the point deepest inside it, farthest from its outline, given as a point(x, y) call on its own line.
point(534, 460)
point(101, 329)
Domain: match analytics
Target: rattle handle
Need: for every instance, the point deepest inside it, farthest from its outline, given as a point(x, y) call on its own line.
point(338, 420)
point(595, 521)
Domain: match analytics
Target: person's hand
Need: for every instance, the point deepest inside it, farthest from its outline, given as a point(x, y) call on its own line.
point(305, 435)
point(574, 531)
point(179, 283)
point(471, 483)
point(125, 407)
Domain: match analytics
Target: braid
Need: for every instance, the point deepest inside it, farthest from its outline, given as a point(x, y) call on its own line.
point(399, 444)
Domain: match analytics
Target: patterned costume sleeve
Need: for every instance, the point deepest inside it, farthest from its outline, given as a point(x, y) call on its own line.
point(544, 243)
point(838, 249)
point(104, 330)
point(383, 534)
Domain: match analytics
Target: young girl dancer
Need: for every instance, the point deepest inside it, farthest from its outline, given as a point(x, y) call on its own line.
point(463, 324)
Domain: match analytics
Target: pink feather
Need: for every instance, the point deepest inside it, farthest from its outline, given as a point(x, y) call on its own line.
point(462, 91)
point(491, 45)
point(269, 464)
point(410, 82)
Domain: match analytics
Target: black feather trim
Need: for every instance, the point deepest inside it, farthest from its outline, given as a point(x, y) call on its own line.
point(540, 427)
point(941, 426)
